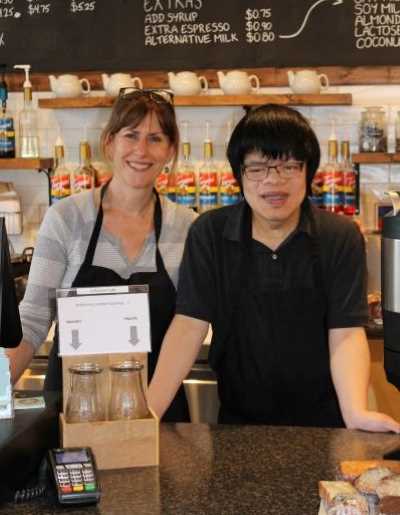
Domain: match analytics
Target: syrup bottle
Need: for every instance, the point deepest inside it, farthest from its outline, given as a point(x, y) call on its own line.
point(61, 179)
point(161, 183)
point(208, 177)
point(185, 178)
point(172, 185)
point(85, 174)
point(332, 178)
point(349, 180)
point(7, 132)
point(317, 185)
point(229, 189)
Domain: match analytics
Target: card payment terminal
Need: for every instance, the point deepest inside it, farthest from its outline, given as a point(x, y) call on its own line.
point(75, 476)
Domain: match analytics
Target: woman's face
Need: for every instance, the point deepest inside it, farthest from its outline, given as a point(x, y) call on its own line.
point(138, 154)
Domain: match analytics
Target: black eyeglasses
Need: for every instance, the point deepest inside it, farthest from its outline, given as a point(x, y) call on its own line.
point(160, 96)
point(260, 171)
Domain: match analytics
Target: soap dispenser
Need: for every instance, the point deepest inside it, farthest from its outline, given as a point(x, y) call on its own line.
point(28, 126)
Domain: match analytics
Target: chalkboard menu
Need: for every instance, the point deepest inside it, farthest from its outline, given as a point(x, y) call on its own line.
point(110, 35)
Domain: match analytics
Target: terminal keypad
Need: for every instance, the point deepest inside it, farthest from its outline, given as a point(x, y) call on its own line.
point(76, 477)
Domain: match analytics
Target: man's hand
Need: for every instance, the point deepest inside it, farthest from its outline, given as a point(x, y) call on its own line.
point(373, 421)
point(180, 347)
point(350, 366)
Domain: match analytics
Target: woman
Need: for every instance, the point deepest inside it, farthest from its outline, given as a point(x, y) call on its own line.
point(119, 235)
point(283, 285)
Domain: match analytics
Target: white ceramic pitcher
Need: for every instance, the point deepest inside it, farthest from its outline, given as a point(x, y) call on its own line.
point(307, 82)
point(187, 83)
point(237, 82)
point(112, 84)
point(69, 85)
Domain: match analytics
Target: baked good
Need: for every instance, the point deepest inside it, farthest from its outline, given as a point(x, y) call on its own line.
point(350, 470)
point(389, 506)
point(389, 486)
point(342, 496)
point(368, 481)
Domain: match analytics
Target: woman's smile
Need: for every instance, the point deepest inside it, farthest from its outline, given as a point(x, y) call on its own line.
point(140, 166)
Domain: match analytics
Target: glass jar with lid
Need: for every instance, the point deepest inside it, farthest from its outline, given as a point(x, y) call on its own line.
point(127, 399)
point(373, 130)
point(84, 402)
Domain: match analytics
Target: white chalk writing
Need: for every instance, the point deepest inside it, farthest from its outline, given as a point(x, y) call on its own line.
point(163, 25)
point(171, 5)
point(376, 24)
point(259, 26)
point(38, 8)
point(307, 16)
point(77, 6)
point(7, 12)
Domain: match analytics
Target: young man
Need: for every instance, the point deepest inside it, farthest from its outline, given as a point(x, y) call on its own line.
point(283, 285)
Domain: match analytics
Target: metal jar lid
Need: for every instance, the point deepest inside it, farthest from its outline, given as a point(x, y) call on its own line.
point(85, 368)
point(126, 366)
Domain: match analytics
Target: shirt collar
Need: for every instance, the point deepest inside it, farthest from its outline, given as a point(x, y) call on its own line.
point(239, 214)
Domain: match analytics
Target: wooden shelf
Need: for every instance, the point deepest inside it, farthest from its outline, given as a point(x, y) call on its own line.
point(20, 163)
point(269, 76)
point(375, 158)
point(207, 100)
point(75, 103)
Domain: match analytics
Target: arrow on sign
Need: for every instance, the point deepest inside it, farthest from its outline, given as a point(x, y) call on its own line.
point(134, 336)
point(336, 2)
point(75, 339)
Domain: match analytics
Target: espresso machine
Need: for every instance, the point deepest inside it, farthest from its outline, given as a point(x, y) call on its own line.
point(391, 290)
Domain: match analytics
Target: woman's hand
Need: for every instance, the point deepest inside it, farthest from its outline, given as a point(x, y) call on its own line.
point(20, 357)
point(372, 421)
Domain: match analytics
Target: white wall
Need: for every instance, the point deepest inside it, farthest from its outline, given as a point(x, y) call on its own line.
point(75, 124)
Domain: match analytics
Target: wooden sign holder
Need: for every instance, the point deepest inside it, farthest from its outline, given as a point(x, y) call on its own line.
point(115, 443)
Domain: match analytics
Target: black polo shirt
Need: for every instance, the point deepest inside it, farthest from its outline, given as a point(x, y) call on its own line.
point(211, 276)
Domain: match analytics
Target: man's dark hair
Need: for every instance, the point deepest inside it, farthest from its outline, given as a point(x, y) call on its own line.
point(277, 132)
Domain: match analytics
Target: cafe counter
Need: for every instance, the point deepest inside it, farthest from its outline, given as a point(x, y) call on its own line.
point(217, 470)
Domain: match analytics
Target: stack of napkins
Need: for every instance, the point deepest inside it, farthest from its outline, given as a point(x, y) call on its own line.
point(6, 402)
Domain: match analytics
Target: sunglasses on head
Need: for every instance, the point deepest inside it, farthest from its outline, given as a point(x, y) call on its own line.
point(160, 96)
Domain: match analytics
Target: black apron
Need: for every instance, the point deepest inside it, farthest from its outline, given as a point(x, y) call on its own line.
point(273, 362)
point(162, 297)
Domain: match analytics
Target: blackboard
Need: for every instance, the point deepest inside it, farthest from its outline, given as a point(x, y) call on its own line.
point(111, 35)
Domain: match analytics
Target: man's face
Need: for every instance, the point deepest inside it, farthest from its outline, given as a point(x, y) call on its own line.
point(275, 195)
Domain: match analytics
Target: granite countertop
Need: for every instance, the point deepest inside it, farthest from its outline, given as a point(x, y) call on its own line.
point(235, 470)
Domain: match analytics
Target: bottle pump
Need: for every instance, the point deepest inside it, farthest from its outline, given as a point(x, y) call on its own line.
point(28, 127)
point(391, 290)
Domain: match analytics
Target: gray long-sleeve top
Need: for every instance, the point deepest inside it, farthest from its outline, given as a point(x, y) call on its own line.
point(61, 246)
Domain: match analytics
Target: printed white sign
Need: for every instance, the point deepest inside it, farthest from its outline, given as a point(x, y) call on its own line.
point(103, 323)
